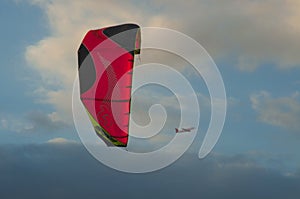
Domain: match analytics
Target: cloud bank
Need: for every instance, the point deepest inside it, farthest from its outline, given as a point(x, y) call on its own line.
point(68, 171)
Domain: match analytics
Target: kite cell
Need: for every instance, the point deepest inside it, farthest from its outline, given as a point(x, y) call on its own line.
point(106, 59)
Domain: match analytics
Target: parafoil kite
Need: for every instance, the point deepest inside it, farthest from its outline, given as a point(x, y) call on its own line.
point(106, 59)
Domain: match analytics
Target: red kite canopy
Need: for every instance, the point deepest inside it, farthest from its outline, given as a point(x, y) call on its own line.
point(104, 56)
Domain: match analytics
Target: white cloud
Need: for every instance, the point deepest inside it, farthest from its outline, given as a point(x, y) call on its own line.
point(254, 32)
point(14, 123)
point(4, 123)
point(282, 111)
point(35, 121)
point(61, 141)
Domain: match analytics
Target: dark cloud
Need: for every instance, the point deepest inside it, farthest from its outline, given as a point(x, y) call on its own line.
point(69, 171)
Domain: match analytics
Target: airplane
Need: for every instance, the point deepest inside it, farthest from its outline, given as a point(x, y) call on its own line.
point(182, 130)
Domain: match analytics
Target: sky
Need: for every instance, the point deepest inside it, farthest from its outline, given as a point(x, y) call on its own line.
point(254, 45)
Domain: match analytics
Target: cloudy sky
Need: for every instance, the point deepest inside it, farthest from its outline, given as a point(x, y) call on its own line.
point(253, 43)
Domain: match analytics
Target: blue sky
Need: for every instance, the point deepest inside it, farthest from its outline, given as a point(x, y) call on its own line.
point(253, 43)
